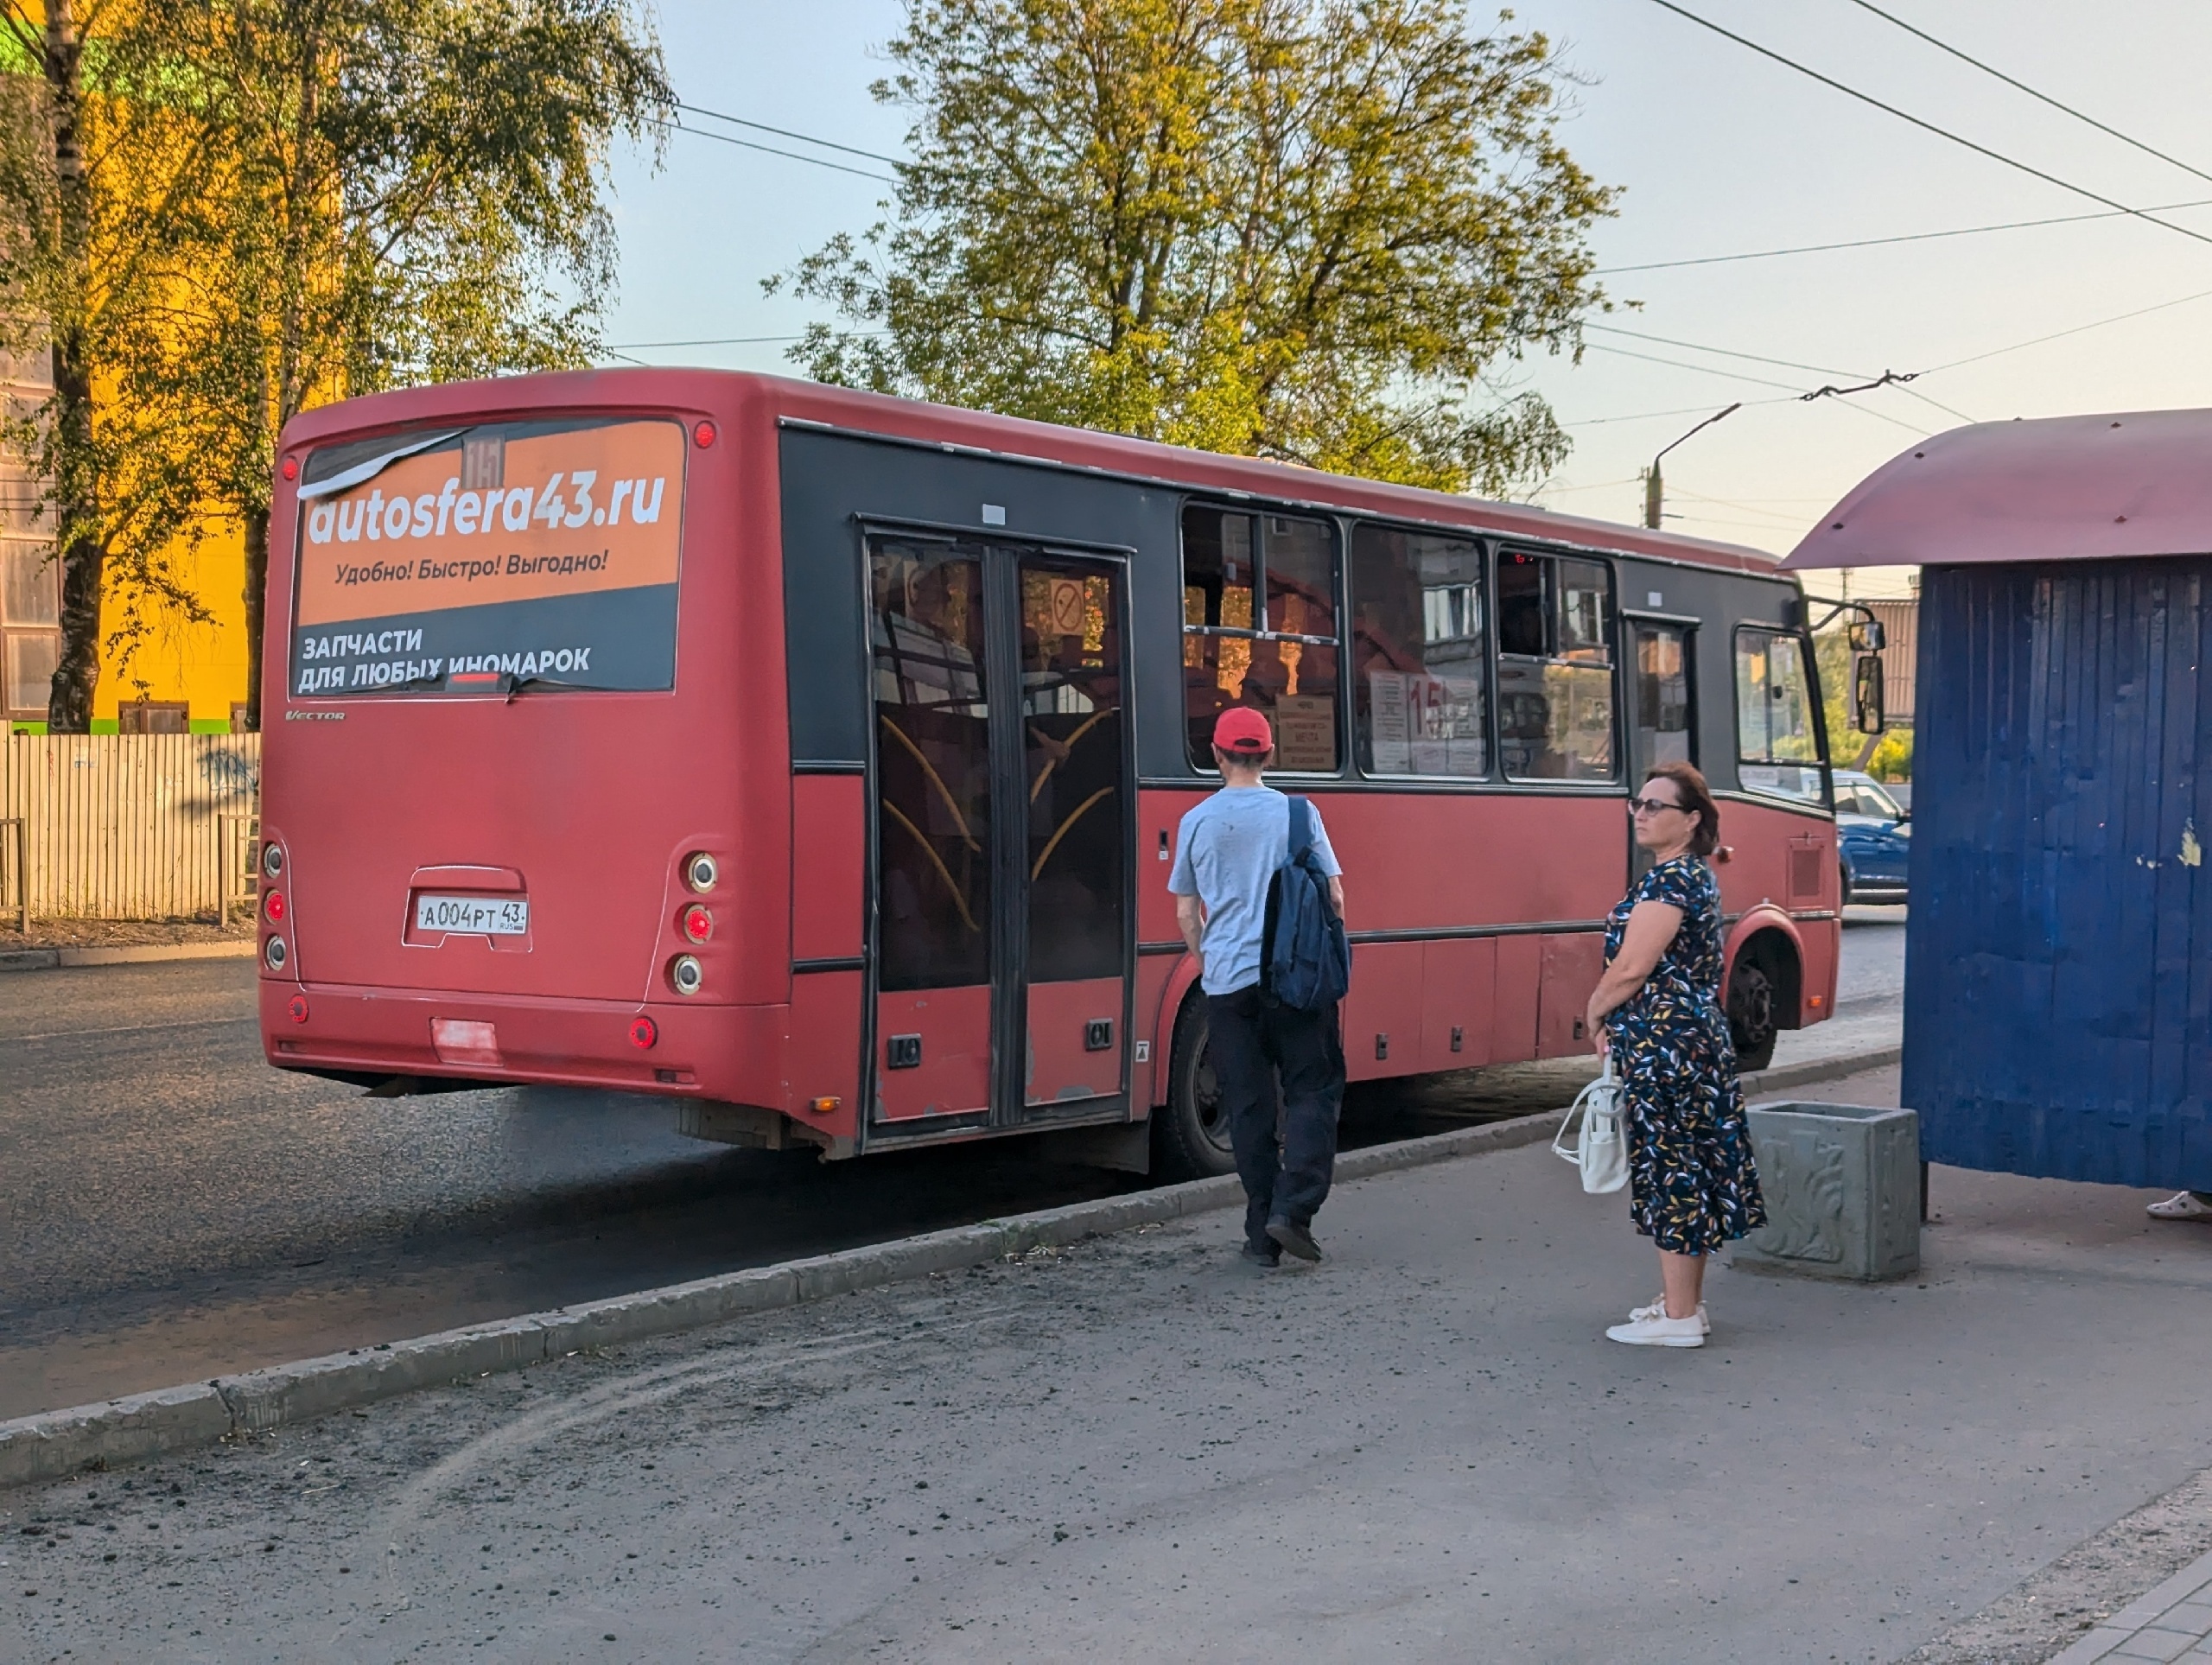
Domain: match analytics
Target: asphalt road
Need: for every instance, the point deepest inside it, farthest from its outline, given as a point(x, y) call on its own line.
point(175, 1208)
point(1139, 1448)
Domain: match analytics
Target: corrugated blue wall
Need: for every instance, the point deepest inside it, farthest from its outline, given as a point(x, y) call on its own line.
point(2058, 965)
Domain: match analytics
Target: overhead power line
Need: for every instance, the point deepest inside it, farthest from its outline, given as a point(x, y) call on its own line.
point(787, 133)
point(1726, 353)
point(2061, 335)
point(1908, 237)
point(1925, 126)
point(716, 340)
point(752, 144)
point(1898, 382)
point(2020, 85)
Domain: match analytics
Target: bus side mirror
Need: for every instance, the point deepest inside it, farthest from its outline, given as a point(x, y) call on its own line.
point(1866, 636)
point(1866, 693)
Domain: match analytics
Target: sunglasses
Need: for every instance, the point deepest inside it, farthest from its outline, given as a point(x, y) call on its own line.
point(1653, 805)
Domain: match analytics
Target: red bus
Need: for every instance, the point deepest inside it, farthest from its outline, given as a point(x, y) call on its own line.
point(814, 757)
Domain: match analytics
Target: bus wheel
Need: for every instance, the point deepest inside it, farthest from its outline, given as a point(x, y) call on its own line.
point(1751, 1014)
point(1190, 1133)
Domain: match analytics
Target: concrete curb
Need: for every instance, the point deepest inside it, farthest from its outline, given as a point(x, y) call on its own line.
point(65, 959)
point(52, 1445)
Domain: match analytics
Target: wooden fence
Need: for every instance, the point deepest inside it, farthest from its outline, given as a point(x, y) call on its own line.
point(127, 826)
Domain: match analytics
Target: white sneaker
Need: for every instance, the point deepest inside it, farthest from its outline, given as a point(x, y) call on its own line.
point(2182, 1205)
point(1658, 1310)
point(1649, 1329)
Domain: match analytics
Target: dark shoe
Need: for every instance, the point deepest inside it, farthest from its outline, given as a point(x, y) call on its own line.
point(1295, 1238)
point(1269, 1255)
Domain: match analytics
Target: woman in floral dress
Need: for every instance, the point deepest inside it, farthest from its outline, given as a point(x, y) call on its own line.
point(1693, 1186)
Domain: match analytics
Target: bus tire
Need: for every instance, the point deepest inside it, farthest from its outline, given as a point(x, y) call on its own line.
point(1190, 1133)
point(1751, 1014)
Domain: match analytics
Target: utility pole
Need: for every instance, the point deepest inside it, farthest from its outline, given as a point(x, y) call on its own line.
point(1654, 489)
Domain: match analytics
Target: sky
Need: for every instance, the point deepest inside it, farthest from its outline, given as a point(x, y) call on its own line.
point(1719, 152)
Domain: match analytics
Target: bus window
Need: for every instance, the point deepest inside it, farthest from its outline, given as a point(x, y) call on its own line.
point(1663, 727)
point(1071, 706)
point(925, 628)
point(1555, 669)
point(1282, 662)
point(1418, 642)
point(485, 558)
point(1776, 747)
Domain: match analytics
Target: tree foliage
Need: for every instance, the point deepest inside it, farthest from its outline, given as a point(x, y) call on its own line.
point(369, 193)
point(1312, 230)
point(90, 167)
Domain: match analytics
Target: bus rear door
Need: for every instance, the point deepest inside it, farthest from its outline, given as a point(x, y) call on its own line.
point(1002, 780)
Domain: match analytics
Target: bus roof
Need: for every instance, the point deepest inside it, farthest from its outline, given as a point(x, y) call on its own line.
point(2057, 488)
point(847, 411)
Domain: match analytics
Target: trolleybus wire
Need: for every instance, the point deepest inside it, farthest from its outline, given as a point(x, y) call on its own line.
point(1926, 125)
point(2020, 85)
point(1905, 236)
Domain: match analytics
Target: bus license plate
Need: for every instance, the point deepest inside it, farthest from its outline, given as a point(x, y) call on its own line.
point(480, 916)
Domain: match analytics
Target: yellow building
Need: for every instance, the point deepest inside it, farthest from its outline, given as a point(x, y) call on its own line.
point(183, 676)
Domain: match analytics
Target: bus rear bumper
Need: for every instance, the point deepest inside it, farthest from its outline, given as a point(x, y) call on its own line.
point(732, 1052)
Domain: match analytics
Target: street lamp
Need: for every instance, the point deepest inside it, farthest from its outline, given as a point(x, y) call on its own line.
point(1651, 487)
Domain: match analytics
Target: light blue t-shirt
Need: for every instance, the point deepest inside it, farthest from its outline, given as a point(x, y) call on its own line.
point(1226, 851)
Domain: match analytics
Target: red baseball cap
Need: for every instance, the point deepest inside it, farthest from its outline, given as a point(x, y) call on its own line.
point(1241, 728)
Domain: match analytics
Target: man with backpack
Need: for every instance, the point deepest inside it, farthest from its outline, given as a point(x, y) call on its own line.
point(1260, 899)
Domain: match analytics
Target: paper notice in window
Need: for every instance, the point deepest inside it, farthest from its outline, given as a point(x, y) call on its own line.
point(1305, 732)
point(1387, 732)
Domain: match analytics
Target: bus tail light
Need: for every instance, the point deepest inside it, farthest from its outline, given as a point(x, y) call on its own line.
point(698, 924)
point(274, 953)
point(643, 1031)
point(685, 975)
point(701, 870)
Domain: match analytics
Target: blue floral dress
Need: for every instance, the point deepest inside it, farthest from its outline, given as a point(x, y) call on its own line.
point(1692, 1184)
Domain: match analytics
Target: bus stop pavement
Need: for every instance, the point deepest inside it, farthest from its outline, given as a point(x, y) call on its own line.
point(1138, 1447)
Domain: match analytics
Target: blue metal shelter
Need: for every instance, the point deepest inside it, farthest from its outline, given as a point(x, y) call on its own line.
point(2058, 963)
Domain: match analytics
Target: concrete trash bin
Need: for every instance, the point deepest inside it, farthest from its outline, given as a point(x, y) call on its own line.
point(1842, 1189)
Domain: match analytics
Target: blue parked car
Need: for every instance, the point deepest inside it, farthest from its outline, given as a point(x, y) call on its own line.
point(1873, 838)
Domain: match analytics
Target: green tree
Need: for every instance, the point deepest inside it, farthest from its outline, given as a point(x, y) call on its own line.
point(410, 191)
point(92, 163)
point(246, 208)
point(1312, 230)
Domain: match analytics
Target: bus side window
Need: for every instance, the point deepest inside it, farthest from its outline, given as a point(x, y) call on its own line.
point(1555, 669)
point(1777, 749)
point(1418, 647)
point(1281, 657)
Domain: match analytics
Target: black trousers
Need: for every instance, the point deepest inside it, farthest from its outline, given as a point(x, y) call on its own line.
point(1287, 1148)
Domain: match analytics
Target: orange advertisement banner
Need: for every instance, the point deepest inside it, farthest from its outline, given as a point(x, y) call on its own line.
point(486, 518)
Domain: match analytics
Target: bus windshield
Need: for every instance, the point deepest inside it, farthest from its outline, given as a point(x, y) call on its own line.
point(487, 558)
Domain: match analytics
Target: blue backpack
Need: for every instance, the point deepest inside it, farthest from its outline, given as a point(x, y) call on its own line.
point(1305, 958)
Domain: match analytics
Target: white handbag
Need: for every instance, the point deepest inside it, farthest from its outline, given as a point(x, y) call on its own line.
point(1596, 1145)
